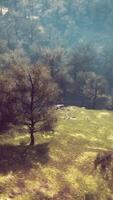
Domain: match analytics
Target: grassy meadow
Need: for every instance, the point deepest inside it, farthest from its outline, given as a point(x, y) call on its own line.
point(61, 165)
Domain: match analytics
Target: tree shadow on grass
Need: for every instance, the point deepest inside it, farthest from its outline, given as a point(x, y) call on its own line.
point(15, 158)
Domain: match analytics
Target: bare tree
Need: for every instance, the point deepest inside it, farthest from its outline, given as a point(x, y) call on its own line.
point(95, 86)
point(36, 93)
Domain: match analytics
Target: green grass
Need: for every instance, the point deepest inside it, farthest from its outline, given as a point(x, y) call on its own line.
point(59, 166)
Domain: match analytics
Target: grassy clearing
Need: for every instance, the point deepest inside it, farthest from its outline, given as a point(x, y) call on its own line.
point(59, 166)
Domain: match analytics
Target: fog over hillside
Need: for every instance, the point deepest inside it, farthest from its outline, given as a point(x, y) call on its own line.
point(58, 22)
point(69, 36)
point(56, 99)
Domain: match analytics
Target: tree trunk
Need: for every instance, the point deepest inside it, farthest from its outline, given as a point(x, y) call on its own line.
point(95, 97)
point(32, 139)
point(32, 125)
point(94, 101)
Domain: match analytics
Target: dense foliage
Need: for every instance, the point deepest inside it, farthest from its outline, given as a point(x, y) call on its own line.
point(68, 36)
point(51, 49)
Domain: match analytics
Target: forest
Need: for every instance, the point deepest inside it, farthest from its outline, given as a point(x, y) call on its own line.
point(56, 95)
point(32, 33)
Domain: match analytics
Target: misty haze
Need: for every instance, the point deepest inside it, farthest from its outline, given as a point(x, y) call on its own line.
point(56, 99)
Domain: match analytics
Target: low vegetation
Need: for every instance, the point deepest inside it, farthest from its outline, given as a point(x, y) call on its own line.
point(59, 166)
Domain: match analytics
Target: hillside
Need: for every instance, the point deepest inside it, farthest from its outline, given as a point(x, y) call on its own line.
point(56, 23)
point(59, 166)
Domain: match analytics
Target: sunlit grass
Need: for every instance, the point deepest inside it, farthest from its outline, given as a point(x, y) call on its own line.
point(68, 173)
